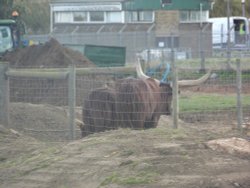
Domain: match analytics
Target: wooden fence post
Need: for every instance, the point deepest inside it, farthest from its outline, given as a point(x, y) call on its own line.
point(175, 103)
point(239, 98)
point(175, 111)
point(72, 100)
point(4, 94)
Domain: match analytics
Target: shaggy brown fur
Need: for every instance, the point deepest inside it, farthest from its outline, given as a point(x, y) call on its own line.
point(99, 111)
point(139, 103)
point(133, 103)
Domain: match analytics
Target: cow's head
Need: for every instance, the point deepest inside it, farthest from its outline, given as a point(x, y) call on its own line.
point(166, 94)
point(166, 88)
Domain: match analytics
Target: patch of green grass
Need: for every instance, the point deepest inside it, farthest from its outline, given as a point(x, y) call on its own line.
point(113, 178)
point(44, 164)
point(178, 134)
point(170, 133)
point(212, 63)
point(210, 102)
point(38, 159)
point(137, 179)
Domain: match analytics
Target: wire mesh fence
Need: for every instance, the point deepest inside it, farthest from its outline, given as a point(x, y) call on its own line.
point(40, 106)
point(192, 41)
point(213, 100)
point(39, 91)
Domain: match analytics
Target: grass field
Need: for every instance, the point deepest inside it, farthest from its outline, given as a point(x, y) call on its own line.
point(210, 102)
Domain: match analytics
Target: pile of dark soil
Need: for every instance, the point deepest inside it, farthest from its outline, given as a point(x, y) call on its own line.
point(49, 55)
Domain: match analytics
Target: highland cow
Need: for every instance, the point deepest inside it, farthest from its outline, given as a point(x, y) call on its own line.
point(135, 103)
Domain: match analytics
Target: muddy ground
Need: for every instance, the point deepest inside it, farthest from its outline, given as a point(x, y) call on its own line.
point(35, 150)
point(155, 158)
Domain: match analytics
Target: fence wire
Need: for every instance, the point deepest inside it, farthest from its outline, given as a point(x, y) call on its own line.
point(36, 104)
point(39, 107)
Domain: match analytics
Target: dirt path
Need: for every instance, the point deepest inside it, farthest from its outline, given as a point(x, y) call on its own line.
point(155, 158)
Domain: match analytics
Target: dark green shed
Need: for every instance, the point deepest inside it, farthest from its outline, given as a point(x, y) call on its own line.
point(106, 56)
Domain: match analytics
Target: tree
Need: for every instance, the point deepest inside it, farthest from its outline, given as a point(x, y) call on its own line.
point(220, 8)
point(35, 15)
point(6, 8)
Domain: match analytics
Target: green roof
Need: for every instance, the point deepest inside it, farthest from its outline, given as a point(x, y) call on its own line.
point(173, 5)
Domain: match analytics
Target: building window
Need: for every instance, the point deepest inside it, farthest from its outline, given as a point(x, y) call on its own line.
point(133, 17)
point(4, 31)
point(63, 17)
point(103, 17)
point(80, 17)
point(146, 16)
point(193, 16)
point(139, 16)
point(5, 38)
point(96, 16)
point(114, 17)
point(168, 42)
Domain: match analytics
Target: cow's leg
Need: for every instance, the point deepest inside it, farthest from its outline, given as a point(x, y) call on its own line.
point(84, 131)
point(152, 122)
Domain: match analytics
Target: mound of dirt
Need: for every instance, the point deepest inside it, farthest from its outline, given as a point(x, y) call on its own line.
point(160, 157)
point(49, 55)
point(235, 146)
point(41, 121)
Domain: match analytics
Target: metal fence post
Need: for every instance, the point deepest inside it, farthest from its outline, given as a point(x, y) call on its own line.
point(239, 97)
point(72, 99)
point(4, 94)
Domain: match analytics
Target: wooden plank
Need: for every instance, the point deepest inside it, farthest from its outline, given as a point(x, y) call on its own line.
point(37, 74)
point(62, 73)
point(106, 70)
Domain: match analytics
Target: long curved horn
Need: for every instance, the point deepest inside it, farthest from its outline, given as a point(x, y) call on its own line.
point(141, 74)
point(139, 71)
point(183, 83)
